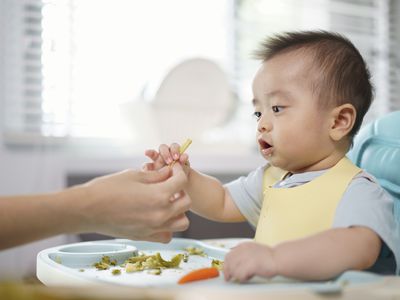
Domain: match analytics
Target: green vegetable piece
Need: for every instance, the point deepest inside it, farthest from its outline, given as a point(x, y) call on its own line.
point(135, 259)
point(151, 262)
point(101, 266)
point(195, 251)
point(174, 263)
point(105, 263)
point(130, 268)
point(116, 272)
point(218, 264)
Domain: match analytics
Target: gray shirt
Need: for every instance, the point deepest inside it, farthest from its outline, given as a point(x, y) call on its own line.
point(364, 203)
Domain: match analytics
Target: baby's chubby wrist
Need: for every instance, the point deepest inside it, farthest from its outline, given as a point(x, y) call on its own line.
point(275, 264)
point(267, 258)
point(283, 255)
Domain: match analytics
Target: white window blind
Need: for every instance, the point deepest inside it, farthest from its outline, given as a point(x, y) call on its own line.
point(66, 65)
point(70, 64)
point(367, 23)
point(21, 67)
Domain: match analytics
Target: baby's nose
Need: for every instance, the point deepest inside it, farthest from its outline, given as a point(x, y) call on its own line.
point(264, 125)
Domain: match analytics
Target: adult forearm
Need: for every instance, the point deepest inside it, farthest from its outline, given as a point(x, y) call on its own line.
point(326, 255)
point(27, 218)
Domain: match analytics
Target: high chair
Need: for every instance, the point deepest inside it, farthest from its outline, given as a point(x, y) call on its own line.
point(377, 150)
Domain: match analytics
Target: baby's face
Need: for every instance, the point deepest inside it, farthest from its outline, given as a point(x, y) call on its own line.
point(292, 130)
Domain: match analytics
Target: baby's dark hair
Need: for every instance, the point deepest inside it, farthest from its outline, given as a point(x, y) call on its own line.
point(343, 74)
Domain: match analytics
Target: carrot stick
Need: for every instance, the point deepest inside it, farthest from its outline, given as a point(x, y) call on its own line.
point(199, 274)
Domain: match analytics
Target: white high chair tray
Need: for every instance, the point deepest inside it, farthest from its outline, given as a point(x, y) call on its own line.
point(72, 265)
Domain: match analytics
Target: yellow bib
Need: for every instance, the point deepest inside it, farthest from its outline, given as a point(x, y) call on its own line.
point(292, 213)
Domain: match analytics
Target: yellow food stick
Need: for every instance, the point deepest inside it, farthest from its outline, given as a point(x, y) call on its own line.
point(182, 149)
point(185, 145)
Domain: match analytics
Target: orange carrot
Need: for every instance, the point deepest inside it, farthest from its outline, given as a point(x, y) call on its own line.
point(199, 274)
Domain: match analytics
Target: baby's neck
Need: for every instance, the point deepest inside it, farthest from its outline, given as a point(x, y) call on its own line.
point(322, 164)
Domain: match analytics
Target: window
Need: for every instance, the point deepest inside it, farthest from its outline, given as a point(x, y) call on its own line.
point(82, 59)
point(20, 73)
point(68, 65)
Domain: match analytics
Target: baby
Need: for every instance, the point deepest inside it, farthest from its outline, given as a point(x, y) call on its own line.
point(322, 215)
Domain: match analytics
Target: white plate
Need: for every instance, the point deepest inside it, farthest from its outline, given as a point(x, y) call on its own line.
point(72, 265)
point(227, 243)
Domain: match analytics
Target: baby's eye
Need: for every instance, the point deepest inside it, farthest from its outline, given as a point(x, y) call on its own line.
point(257, 115)
point(277, 108)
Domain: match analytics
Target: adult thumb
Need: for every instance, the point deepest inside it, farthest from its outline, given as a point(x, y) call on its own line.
point(174, 183)
point(155, 176)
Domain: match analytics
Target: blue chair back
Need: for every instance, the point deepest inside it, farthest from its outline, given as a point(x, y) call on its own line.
point(377, 150)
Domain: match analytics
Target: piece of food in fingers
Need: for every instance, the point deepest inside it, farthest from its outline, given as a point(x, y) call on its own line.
point(182, 149)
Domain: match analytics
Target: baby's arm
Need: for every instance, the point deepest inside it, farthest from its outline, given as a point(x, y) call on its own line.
point(318, 257)
point(209, 197)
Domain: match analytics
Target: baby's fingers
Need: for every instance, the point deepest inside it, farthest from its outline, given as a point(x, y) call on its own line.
point(148, 167)
point(152, 154)
point(165, 153)
point(157, 161)
point(175, 151)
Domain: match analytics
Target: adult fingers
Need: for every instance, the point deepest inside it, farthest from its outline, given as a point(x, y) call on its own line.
point(180, 206)
point(176, 224)
point(184, 158)
point(173, 184)
point(176, 196)
point(160, 237)
point(154, 176)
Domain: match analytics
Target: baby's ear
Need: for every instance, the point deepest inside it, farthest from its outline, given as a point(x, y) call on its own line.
point(343, 118)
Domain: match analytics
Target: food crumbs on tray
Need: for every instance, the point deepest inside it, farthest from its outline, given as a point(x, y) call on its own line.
point(57, 259)
point(149, 262)
point(81, 270)
point(155, 272)
point(105, 263)
point(218, 264)
point(185, 257)
point(116, 272)
point(130, 267)
point(154, 263)
point(195, 251)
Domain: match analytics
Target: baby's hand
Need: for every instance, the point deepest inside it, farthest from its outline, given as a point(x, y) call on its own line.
point(165, 156)
point(248, 260)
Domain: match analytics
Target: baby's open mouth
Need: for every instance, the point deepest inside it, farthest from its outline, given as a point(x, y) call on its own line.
point(266, 148)
point(264, 144)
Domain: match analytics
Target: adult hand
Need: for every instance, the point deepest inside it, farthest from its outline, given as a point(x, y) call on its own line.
point(136, 204)
point(130, 204)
